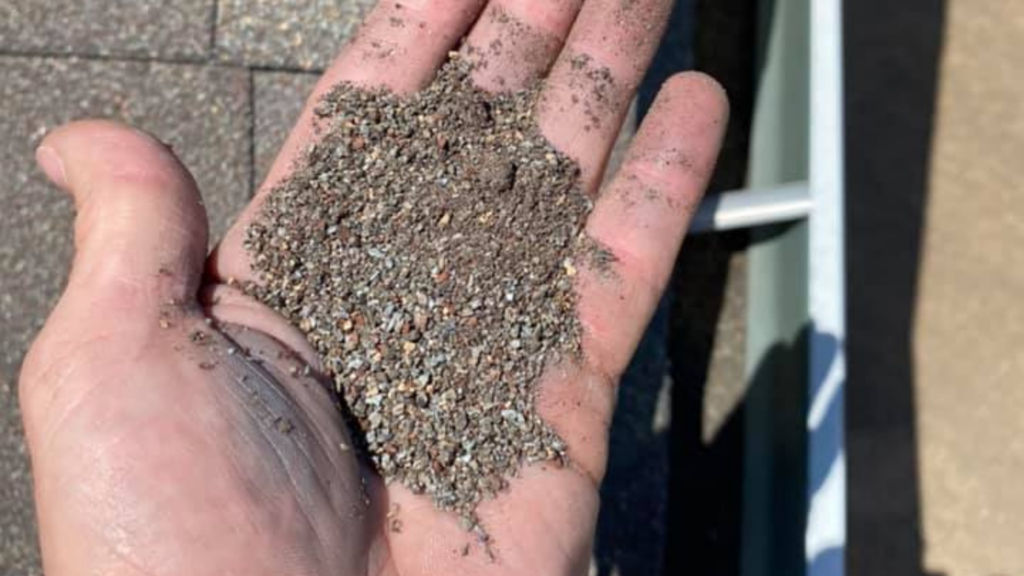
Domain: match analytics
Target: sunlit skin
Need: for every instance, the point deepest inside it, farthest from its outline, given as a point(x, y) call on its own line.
point(148, 459)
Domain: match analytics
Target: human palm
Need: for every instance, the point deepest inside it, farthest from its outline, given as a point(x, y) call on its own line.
point(173, 423)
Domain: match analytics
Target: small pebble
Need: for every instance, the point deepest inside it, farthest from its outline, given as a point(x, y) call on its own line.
point(283, 425)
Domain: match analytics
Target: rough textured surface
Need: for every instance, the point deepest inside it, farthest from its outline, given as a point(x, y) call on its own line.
point(427, 247)
point(278, 98)
point(303, 34)
point(202, 111)
point(969, 345)
point(165, 29)
point(19, 555)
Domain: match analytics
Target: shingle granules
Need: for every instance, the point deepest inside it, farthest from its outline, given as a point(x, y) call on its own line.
point(427, 247)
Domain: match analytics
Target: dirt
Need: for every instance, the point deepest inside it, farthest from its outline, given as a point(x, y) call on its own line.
point(427, 246)
point(516, 47)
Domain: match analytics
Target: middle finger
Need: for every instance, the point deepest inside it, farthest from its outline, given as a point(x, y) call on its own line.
point(592, 83)
point(515, 41)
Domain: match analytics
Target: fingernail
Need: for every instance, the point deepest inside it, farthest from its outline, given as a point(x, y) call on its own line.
point(52, 165)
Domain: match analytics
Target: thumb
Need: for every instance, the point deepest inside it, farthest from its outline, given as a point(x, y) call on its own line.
point(140, 229)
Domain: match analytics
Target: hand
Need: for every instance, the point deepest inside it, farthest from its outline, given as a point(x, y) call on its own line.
point(172, 425)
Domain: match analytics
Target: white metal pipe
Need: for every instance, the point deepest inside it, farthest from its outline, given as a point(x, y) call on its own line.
point(825, 542)
point(752, 207)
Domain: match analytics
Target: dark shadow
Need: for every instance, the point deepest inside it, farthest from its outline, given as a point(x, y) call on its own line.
point(892, 57)
point(706, 496)
point(708, 474)
point(724, 47)
point(632, 523)
point(831, 562)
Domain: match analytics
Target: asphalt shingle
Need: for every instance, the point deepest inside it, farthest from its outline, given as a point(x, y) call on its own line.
point(19, 555)
point(277, 101)
point(202, 111)
point(304, 34)
point(163, 29)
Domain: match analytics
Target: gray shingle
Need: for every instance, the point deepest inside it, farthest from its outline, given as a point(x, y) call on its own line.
point(202, 111)
point(169, 29)
point(19, 555)
point(277, 100)
point(302, 34)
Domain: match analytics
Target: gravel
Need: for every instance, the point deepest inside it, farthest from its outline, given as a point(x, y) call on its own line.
point(427, 246)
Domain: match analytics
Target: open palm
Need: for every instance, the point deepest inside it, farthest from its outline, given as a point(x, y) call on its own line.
point(177, 426)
